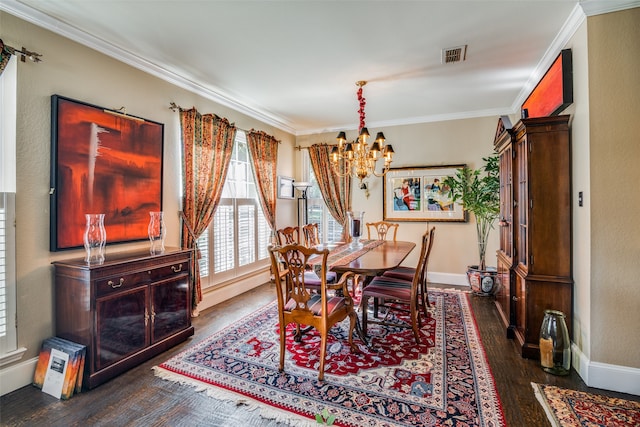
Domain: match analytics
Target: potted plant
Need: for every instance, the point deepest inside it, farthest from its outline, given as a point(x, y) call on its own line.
point(479, 192)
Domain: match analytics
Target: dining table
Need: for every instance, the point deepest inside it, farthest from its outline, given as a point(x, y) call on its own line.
point(369, 259)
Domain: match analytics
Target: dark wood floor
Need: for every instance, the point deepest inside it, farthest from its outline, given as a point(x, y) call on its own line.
point(138, 398)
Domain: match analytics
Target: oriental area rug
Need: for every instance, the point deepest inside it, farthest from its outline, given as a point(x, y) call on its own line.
point(571, 408)
point(445, 380)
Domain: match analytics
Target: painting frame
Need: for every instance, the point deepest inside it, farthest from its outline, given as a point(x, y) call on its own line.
point(102, 161)
point(417, 193)
point(285, 187)
point(554, 91)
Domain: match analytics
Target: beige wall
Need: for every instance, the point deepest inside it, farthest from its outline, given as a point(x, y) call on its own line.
point(579, 112)
point(429, 144)
point(72, 70)
point(614, 98)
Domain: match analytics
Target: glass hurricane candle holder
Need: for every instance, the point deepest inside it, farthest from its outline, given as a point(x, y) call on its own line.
point(555, 346)
point(95, 238)
point(356, 225)
point(157, 232)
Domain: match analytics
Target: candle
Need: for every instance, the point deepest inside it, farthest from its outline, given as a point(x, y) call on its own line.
point(546, 352)
point(355, 228)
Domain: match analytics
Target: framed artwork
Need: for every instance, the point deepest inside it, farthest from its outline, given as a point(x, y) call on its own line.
point(285, 187)
point(418, 194)
point(554, 92)
point(102, 161)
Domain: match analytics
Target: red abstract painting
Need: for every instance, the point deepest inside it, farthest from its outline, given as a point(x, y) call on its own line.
point(102, 163)
point(554, 92)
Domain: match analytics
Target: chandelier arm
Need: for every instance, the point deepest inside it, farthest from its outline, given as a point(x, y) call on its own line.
point(383, 173)
point(336, 170)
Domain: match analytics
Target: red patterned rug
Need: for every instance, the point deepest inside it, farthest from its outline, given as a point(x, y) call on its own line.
point(445, 380)
point(569, 408)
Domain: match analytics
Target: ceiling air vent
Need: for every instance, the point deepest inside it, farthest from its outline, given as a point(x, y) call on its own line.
point(454, 54)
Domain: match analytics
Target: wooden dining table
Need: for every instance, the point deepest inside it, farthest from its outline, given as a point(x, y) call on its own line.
point(377, 260)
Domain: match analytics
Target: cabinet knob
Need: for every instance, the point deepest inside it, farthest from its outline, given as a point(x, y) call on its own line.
point(515, 298)
point(116, 285)
point(176, 269)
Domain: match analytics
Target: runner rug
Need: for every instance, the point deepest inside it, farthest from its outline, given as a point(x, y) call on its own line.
point(445, 380)
point(569, 408)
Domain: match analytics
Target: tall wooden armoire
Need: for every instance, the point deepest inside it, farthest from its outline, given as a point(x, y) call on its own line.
point(534, 259)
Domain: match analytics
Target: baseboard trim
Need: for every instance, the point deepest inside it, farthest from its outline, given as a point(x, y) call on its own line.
point(17, 376)
point(622, 379)
point(448, 279)
point(222, 293)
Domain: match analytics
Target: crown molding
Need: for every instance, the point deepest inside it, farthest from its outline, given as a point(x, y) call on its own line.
point(42, 20)
point(598, 7)
point(569, 28)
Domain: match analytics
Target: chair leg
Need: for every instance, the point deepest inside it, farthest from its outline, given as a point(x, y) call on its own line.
point(414, 322)
point(323, 354)
point(283, 344)
point(364, 302)
point(353, 319)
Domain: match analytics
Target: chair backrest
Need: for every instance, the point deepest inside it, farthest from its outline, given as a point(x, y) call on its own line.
point(291, 262)
point(425, 251)
point(383, 229)
point(288, 236)
point(311, 235)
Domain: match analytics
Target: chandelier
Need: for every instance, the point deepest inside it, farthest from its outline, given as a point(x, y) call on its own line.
point(358, 158)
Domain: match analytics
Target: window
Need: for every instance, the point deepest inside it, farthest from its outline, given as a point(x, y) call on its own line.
point(330, 230)
point(236, 242)
point(8, 335)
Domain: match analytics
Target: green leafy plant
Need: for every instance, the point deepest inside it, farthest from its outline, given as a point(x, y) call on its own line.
point(324, 418)
point(479, 192)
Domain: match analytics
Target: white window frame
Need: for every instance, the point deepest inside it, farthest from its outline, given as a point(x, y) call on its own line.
point(235, 206)
point(9, 351)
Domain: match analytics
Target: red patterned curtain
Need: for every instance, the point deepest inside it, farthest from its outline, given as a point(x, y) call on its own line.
point(207, 146)
point(264, 152)
point(5, 55)
point(335, 190)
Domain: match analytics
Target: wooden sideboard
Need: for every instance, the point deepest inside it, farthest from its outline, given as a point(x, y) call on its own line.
point(534, 259)
point(125, 310)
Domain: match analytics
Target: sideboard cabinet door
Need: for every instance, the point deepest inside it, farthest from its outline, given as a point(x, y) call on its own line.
point(121, 326)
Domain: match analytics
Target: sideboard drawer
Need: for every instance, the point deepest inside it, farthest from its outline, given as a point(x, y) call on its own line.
point(122, 282)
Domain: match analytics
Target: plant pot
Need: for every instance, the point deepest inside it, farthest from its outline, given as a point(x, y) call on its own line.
point(482, 282)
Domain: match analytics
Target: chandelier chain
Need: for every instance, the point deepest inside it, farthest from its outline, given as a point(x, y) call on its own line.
point(358, 158)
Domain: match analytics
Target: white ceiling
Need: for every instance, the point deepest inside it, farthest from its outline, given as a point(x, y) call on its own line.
point(294, 64)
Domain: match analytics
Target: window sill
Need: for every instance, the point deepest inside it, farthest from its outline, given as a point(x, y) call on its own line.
point(12, 356)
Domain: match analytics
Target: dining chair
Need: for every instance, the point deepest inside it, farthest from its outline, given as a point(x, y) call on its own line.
point(288, 236)
point(311, 235)
point(382, 229)
point(392, 289)
point(296, 304)
point(407, 273)
point(291, 236)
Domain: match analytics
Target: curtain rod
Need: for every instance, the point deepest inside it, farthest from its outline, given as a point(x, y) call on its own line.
point(24, 53)
point(300, 147)
point(175, 107)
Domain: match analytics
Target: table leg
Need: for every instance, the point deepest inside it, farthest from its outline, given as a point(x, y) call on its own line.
point(359, 329)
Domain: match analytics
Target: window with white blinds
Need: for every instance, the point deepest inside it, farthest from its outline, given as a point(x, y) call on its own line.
point(3, 271)
point(8, 333)
point(237, 240)
point(317, 212)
